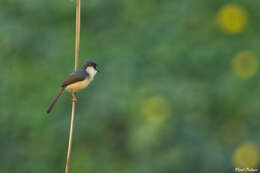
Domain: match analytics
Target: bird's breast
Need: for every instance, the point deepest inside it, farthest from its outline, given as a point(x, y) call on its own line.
point(78, 85)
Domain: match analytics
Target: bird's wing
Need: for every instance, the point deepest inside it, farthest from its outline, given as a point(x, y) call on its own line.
point(74, 77)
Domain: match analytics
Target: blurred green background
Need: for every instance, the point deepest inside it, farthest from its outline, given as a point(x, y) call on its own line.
point(178, 91)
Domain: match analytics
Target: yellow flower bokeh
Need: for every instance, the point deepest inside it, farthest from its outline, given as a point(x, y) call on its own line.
point(246, 156)
point(245, 64)
point(232, 19)
point(155, 109)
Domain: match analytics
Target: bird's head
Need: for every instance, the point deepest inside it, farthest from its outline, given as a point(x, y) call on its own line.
point(90, 67)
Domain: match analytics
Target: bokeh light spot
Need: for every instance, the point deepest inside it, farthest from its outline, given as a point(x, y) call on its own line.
point(155, 109)
point(245, 64)
point(232, 19)
point(246, 156)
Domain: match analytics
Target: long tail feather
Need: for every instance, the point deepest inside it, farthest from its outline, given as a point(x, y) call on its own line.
point(55, 100)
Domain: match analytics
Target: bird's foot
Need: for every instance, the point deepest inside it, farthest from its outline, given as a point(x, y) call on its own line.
point(75, 99)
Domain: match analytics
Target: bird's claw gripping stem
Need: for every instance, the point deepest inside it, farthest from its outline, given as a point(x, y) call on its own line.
point(74, 99)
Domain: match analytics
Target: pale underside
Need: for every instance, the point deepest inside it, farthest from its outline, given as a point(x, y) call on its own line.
point(78, 85)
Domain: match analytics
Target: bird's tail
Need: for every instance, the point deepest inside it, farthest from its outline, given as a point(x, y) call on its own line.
point(55, 100)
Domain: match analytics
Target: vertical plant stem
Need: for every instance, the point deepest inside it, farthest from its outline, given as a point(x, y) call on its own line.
point(70, 137)
point(77, 38)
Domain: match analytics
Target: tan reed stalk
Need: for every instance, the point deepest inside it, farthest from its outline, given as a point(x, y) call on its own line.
point(77, 38)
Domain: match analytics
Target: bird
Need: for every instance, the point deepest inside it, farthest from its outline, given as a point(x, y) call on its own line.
point(77, 81)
